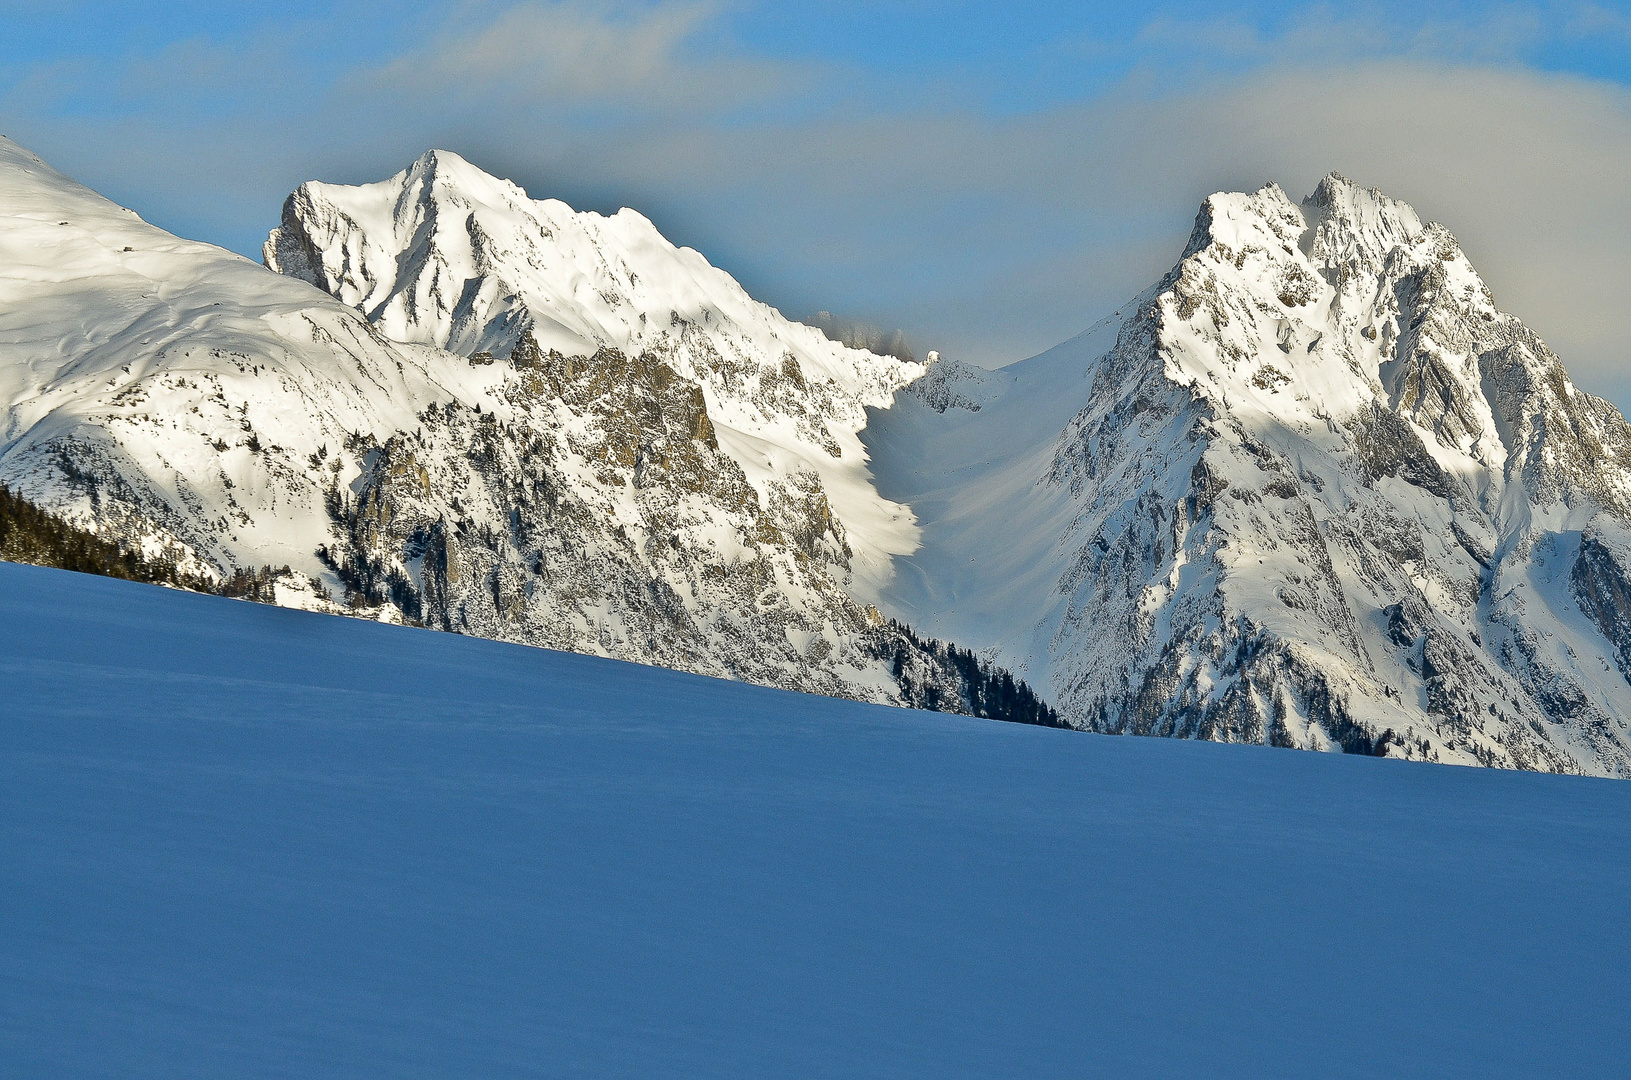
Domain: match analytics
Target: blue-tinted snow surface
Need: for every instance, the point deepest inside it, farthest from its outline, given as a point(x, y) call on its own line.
point(237, 841)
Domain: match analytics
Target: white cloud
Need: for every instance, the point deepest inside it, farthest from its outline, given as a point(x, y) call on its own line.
point(1006, 235)
point(991, 235)
point(581, 54)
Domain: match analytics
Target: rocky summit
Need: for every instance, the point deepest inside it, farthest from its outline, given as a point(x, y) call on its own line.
point(1316, 490)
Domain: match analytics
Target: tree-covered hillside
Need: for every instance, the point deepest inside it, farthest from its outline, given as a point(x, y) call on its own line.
point(29, 534)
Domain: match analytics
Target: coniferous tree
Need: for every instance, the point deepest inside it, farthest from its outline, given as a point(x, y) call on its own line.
point(943, 677)
point(29, 534)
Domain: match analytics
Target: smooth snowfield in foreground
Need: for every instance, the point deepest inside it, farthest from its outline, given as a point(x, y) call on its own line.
point(243, 841)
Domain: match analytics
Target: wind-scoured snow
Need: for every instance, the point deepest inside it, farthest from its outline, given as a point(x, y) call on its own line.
point(242, 841)
point(1317, 491)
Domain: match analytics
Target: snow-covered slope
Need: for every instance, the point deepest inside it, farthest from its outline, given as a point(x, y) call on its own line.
point(173, 391)
point(245, 842)
point(1317, 491)
point(692, 495)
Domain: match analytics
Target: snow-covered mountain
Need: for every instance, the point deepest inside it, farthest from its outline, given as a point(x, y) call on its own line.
point(1313, 488)
point(683, 485)
point(175, 394)
point(444, 255)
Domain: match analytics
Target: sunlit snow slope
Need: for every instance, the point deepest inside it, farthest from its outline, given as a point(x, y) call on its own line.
point(1313, 488)
point(176, 393)
point(243, 841)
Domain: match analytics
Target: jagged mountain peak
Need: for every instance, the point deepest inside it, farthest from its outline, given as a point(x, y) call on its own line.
point(446, 255)
point(442, 181)
point(1358, 438)
point(1320, 307)
point(1236, 217)
point(1349, 302)
point(1340, 216)
point(451, 171)
point(1319, 491)
point(455, 167)
point(1364, 207)
point(1359, 225)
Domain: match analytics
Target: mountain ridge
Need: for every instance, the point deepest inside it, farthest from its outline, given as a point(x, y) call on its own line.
point(1312, 488)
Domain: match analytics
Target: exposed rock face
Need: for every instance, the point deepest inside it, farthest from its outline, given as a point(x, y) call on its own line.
point(1601, 583)
point(1322, 493)
point(597, 510)
point(949, 384)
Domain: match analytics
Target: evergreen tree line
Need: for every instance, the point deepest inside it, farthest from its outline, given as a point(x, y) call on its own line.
point(942, 677)
point(931, 674)
point(31, 535)
point(257, 585)
point(370, 582)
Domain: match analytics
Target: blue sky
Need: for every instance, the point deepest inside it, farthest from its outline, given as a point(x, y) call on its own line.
point(990, 178)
